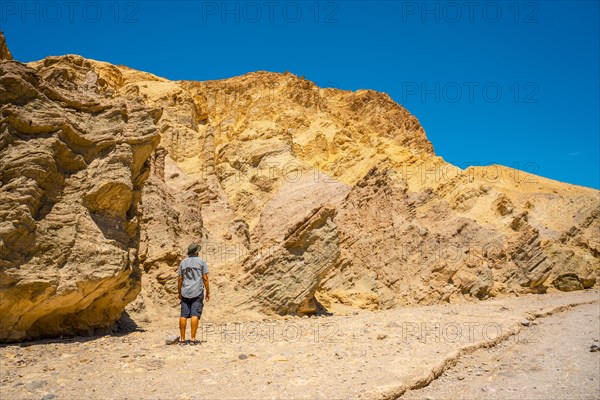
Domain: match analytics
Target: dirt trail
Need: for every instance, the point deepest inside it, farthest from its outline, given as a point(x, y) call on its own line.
point(551, 360)
point(369, 355)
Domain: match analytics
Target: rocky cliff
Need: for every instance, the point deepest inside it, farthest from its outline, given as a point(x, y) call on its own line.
point(305, 200)
point(73, 166)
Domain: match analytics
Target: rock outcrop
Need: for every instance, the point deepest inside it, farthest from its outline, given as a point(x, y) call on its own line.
point(73, 167)
point(305, 199)
point(4, 52)
point(291, 269)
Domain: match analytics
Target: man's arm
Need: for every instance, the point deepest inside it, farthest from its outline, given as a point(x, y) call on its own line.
point(206, 287)
point(179, 283)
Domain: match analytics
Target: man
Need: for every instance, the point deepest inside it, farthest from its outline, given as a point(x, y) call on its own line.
point(191, 284)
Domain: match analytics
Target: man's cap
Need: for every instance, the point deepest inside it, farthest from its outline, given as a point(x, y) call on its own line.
point(193, 248)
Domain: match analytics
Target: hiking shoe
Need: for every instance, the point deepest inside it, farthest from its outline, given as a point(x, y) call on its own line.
point(184, 343)
point(195, 342)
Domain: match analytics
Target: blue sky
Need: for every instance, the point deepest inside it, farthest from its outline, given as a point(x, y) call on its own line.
point(492, 82)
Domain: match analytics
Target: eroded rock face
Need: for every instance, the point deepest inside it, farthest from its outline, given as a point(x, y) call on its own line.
point(73, 166)
point(171, 210)
point(249, 158)
point(403, 247)
point(290, 270)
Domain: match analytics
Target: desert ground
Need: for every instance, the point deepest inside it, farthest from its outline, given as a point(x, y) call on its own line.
point(528, 347)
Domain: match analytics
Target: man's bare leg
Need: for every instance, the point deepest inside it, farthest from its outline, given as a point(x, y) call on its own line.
point(194, 326)
point(182, 325)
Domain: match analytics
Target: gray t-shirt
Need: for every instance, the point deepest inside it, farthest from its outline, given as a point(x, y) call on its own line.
point(192, 269)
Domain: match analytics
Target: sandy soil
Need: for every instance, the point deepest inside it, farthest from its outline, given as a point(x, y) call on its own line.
point(535, 346)
point(552, 360)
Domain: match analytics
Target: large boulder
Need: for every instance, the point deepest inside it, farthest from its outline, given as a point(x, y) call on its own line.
point(283, 276)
